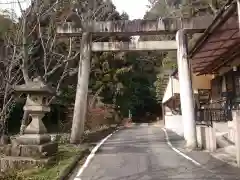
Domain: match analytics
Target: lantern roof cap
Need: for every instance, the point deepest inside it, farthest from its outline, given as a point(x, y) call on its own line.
point(35, 86)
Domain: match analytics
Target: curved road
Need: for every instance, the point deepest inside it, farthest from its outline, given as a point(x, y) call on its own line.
point(142, 153)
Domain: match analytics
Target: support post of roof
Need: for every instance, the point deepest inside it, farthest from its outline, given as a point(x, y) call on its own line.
point(236, 115)
point(236, 125)
point(186, 92)
point(82, 89)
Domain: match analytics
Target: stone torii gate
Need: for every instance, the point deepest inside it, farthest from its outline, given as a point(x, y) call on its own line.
point(181, 27)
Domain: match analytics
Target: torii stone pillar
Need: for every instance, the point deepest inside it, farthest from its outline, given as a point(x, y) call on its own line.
point(186, 92)
point(80, 106)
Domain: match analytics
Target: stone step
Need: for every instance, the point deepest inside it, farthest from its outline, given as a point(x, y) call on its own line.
point(222, 141)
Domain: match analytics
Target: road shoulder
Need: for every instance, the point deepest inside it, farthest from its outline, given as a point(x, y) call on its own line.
point(204, 158)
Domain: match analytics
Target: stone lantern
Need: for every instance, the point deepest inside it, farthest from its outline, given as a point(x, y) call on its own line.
point(37, 105)
point(35, 145)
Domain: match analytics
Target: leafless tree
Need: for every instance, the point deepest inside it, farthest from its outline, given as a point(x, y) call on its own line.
point(31, 48)
point(10, 75)
point(39, 52)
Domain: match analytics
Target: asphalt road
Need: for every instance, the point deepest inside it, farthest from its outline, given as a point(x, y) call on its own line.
point(142, 153)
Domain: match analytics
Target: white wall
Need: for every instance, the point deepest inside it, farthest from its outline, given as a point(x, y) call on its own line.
point(174, 123)
point(221, 127)
point(201, 82)
point(172, 88)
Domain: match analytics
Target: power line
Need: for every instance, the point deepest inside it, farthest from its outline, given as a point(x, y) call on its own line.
point(12, 2)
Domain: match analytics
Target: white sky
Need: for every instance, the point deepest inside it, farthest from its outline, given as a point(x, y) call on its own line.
point(134, 8)
point(12, 5)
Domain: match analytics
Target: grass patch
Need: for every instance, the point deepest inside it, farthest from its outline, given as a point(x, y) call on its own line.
point(65, 156)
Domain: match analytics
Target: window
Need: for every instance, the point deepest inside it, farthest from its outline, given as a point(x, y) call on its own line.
point(216, 88)
point(237, 86)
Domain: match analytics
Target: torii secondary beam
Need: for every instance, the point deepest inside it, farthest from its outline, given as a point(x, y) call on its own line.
point(137, 27)
point(135, 46)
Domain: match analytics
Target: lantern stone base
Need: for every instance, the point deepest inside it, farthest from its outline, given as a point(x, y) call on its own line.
point(34, 145)
point(36, 151)
point(35, 139)
point(10, 162)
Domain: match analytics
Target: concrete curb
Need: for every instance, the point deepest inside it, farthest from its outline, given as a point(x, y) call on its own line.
point(68, 170)
point(188, 157)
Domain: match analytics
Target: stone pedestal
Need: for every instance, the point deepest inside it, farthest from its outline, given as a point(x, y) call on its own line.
point(11, 162)
point(211, 135)
point(200, 136)
point(231, 130)
point(29, 150)
point(206, 137)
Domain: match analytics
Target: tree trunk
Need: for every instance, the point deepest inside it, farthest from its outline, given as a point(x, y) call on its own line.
point(24, 68)
point(82, 89)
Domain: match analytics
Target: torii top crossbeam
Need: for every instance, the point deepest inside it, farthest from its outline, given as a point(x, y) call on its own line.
point(137, 27)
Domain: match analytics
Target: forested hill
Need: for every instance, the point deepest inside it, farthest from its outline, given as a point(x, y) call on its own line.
point(175, 8)
point(180, 8)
